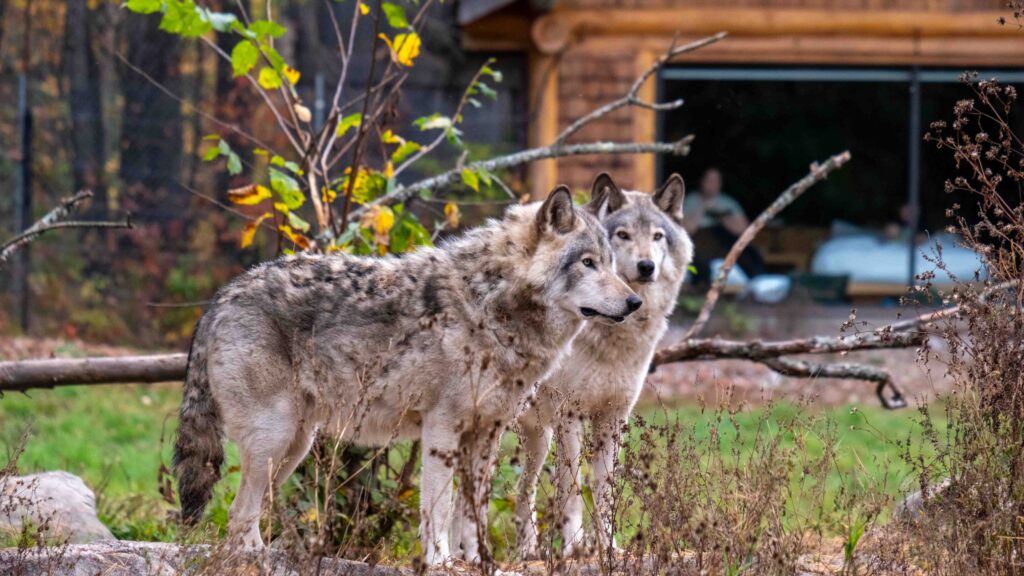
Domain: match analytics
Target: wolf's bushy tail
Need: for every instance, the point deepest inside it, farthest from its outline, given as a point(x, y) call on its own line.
point(199, 449)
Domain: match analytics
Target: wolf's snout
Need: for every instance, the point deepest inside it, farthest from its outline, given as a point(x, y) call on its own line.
point(645, 268)
point(633, 303)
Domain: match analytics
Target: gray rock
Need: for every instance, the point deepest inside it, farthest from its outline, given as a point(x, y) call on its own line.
point(912, 506)
point(58, 501)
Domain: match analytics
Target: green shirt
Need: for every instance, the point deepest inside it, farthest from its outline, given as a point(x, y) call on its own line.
point(720, 206)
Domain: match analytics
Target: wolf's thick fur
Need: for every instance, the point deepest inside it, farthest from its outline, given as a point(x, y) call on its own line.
point(601, 379)
point(443, 344)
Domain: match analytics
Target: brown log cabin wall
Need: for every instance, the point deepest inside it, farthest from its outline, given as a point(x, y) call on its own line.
point(597, 48)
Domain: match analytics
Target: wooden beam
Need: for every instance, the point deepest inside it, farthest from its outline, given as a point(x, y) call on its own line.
point(842, 50)
point(543, 126)
point(553, 32)
point(644, 124)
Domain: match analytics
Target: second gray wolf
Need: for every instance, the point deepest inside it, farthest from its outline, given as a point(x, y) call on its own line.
point(601, 379)
point(444, 344)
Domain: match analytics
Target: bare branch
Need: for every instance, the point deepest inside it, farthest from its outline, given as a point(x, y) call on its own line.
point(816, 174)
point(53, 220)
point(773, 355)
point(632, 97)
point(402, 193)
point(719, 349)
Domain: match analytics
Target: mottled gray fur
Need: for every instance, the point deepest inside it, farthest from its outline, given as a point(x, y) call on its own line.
point(444, 344)
point(601, 379)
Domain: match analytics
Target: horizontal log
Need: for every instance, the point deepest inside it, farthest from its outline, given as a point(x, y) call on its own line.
point(18, 376)
point(553, 32)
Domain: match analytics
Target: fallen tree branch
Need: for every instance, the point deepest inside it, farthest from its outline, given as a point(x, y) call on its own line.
point(757, 350)
point(817, 174)
point(23, 375)
point(772, 355)
point(54, 220)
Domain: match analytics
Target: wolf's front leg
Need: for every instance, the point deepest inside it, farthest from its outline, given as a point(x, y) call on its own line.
point(440, 443)
point(478, 457)
point(607, 433)
point(568, 481)
point(534, 441)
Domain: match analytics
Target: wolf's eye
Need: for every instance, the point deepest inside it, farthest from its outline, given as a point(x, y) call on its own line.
point(622, 234)
point(658, 236)
point(588, 262)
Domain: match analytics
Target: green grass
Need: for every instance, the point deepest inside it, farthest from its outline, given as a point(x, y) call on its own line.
point(117, 437)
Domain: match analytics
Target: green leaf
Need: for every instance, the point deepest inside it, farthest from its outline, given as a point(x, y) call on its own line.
point(495, 74)
point(184, 18)
point(279, 161)
point(269, 78)
point(234, 164)
point(244, 57)
point(405, 150)
point(297, 223)
point(434, 122)
point(287, 188)
point(276, 60)
point(265, 28)
point(350, 121)
point(395, 14)
point(470, 178)
point(485, 176)
point(211, 154)
point(487, 90)
point(144, 6)
point(221, 21)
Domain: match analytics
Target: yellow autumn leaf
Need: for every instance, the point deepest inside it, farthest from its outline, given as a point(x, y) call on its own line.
point(248, 195)
point(405, 48)
point(408, 47)
point(299, 240)
point(291, 74)
point(389, 170)
point(389, 137)
point(311, 516)
point(328, 195)
point(250, 230)
point(452, 214)
point(269, 79)
point(364, 9)
point(383, 220)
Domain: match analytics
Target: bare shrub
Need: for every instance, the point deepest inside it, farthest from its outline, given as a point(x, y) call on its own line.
point(974, 526)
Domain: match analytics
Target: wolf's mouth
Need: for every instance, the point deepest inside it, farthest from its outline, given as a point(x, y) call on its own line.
point(590, 313)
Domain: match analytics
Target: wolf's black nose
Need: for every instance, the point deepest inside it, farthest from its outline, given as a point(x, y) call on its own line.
point(646, 268)
point(633, 302)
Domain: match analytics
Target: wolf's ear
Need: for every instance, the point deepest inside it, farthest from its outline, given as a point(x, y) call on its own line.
point(605, 197)
point(670, 197)
point(557, 213)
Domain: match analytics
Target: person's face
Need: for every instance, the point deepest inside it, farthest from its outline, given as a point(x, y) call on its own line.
point(711, 183)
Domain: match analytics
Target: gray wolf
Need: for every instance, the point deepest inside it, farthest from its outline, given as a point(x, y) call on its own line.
point(443, 344)
point(600, 380)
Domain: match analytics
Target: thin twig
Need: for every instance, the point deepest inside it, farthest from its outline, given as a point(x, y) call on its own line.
point(53, 220)
point(816, 174)
point(192, 107)
point(632, 97)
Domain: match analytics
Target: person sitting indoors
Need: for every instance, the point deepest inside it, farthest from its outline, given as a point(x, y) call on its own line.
point(715, 221)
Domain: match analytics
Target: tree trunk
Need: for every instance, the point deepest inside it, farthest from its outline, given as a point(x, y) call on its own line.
point(87, 134)
point(151, 131)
